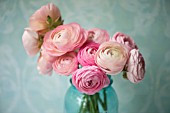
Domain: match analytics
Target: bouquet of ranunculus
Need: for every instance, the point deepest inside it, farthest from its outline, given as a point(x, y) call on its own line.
point(89, 56)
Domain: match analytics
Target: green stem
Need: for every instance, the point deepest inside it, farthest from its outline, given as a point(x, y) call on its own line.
point(96, 103)
point(105, 99)
point(100, 101)
point(90, 103)
point(84, 105)
point(92, 108)
point(103, 104)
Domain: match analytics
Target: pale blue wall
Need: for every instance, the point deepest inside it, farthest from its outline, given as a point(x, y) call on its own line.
point(23, 90)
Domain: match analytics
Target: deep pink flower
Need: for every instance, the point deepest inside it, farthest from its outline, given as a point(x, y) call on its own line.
point(66, 64)
point(90, 79)
point(86, 53)
point(38, 21)
point(111, 57)
point(135, 66)
point(125, 40)
point(98, 35)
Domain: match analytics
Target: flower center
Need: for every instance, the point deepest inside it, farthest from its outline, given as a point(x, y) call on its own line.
point(91, 35)
point(60, 37)
point(89, 83)
point(91, 51)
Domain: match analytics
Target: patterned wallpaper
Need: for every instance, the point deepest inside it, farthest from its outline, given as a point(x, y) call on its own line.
point(23, 90)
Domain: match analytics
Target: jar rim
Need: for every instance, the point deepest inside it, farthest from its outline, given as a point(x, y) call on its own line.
point(109, 76)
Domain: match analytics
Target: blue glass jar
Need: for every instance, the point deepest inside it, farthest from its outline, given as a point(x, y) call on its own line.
point(105, 101)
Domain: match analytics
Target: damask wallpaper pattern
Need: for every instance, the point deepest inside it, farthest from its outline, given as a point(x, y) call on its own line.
point(23, 90)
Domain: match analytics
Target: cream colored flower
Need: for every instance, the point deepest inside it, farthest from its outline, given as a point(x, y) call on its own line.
point(111, 57)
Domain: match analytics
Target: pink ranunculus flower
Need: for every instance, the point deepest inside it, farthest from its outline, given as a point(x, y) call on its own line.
point(38, 21)
point(135, 66)
point(49, 46)
point(111, 57)
point(87, 52)
point(44, 66)
point(66, 64)
point(90, 79)
point(46, 56)
point(125, 40)
point(64, 38)
point(98, 35)
point(30, 40)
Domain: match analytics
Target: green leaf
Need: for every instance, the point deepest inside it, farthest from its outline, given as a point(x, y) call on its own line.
point(49, 19)
point(125, 75)
point(58, 22)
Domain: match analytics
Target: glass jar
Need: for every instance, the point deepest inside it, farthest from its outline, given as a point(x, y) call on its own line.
point(104, 101)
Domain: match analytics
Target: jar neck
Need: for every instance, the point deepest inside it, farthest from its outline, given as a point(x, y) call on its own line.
point(109, 76)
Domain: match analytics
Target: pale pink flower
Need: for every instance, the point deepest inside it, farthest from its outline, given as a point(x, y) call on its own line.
point(49, 46)
point(111, 57)
point(135, 66)
point(68, 37)
point(125, 40)
point(30, 40)
point(86, 53)
point(66, 64)
point(47, 56)
point(44, 66)
point(98, 35)
point(90, 79)
point(64, 38)
point(38, 21)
